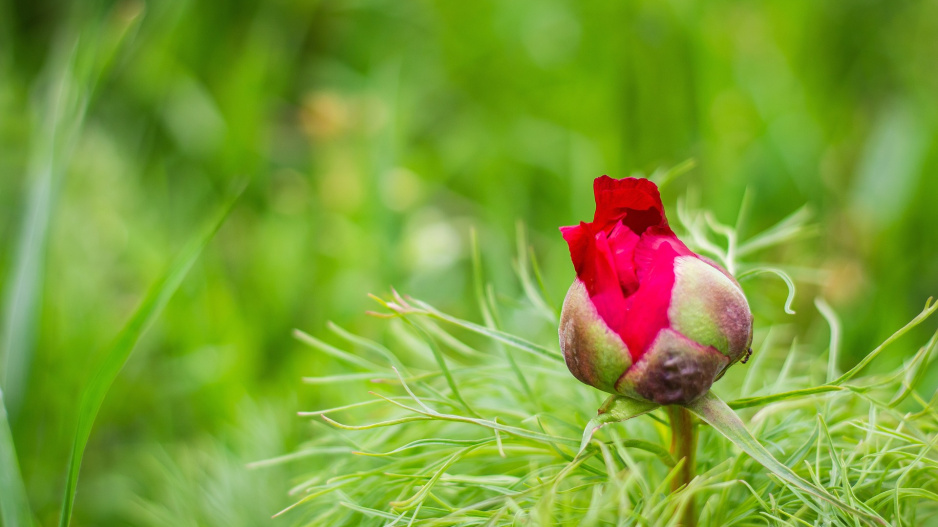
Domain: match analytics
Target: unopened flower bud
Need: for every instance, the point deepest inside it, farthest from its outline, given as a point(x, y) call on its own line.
point(646, 317)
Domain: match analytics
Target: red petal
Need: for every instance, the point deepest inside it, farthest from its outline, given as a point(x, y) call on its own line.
point(595, 266)
point(647, 250)
point(623, 241)
point(625, 258)
point(603, 284)
point(578, 238)
point(647, 308)
point(634, 201)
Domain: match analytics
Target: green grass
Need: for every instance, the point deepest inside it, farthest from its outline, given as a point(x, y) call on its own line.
point(459, 439)
point(14, 504)
point(117, 354)
point(394, 143)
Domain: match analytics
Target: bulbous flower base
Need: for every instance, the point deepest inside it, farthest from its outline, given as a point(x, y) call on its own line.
point(674, 369)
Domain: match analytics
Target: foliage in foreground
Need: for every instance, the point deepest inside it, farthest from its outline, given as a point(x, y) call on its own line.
point(470, 425)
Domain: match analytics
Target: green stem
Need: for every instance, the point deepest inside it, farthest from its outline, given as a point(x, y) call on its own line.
point(684, 446)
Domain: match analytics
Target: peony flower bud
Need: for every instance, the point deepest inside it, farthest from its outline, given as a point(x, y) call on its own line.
point(646, 317)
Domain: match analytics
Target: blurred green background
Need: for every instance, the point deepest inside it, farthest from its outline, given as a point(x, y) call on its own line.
point(375, 134)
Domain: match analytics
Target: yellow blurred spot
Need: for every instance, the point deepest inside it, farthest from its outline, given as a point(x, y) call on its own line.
point(340, 187)
point(846, 282)
point(325, 115)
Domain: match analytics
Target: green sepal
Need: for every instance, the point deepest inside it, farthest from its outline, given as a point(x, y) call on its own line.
point(615, 409)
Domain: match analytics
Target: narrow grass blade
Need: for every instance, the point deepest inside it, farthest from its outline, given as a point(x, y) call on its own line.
point(838, 383)
point(119, 351)
point(663, 176)
point(927, 312)
point(717, 414)
point(507, 338)
point(60, 114)
point(488, 315)
point(615, 409)
point(14, 505)
point(916, 371)
point(402, 308)
point(836, 329)
point(75, 67)
point(367, 344)
point(333, 351)
point(842, 471)
point(441, 362)
point(527, 284)
point(24, 289)
point(781, 274)
point(776, 397)
point(793, 226)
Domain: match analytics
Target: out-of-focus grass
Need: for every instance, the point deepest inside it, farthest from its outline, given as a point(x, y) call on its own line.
point(375, 134)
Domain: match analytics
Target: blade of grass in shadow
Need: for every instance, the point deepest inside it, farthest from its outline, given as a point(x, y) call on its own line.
point(61, 111)
point(749, 402)
point(74, 68)
point(14, 505)
point(119, 351)
point(24, 288)
point(712, 410)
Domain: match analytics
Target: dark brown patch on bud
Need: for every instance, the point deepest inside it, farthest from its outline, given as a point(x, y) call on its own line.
point(675, 370)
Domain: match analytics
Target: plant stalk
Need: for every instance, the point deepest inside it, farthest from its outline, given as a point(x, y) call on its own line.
point(684, 446)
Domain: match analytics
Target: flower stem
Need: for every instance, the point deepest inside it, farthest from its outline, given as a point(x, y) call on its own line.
point(684, 446)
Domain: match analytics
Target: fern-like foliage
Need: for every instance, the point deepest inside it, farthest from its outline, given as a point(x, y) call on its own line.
point(468, 423)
